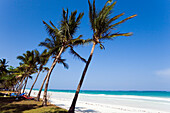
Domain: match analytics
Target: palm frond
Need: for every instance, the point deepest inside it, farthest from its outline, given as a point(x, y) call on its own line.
point(91, 15)
point(108, 37)
point(110, 21)
point(94, 10)
point(45, 69)
point(20, 58)
point(76, 54)
point(122, 21)
point(51, 31)
point(52, 24)
point(101, 46)
point(79, 18)
point(62, 61)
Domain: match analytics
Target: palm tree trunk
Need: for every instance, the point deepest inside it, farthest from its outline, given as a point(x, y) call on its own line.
point(34, 83)
point(39, 93)
point(48, 76)
point(25, 84)
point(16, 86)
point(72, 108)
point(21, 85)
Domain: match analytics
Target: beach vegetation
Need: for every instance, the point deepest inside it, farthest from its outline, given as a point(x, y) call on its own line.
point(62, 39)
point(42, 60)
point(7, 75)
point(28, 65)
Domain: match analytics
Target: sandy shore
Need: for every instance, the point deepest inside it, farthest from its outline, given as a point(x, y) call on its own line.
point(88, 103)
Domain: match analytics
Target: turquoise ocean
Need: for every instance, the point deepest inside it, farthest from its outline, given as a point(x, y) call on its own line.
point(154, 100)
point(161, 94)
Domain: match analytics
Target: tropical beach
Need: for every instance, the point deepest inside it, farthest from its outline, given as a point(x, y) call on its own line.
point(88, 56)
point(102, 103)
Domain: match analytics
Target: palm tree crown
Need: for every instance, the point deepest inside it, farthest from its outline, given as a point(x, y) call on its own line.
point(29, 65)
point(3, 66)
point(102, 24)
point(64, 36)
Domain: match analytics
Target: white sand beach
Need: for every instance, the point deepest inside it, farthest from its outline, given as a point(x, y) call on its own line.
point(92, 103)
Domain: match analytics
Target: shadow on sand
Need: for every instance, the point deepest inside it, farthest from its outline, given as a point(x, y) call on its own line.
point(84, 110)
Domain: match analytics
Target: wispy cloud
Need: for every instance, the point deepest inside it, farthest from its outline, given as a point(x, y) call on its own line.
point(164, 72)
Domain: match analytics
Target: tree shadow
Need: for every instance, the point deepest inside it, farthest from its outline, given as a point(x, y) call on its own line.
point(59, 104)
point(84, 110)
point(16, 108)
point(7, 105)
point(8, 100)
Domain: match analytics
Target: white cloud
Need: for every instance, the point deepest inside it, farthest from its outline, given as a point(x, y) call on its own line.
point(164, 72)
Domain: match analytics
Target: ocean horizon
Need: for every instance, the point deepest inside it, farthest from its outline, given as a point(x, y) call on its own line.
point(163, 94)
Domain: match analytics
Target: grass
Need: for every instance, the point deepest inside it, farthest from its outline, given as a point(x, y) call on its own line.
point(11, 105)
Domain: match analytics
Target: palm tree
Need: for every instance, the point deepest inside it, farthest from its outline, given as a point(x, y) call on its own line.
point(61, 40)
point(28, 64)
point(102, 26)
point(11, 80)
point(3, 69)
point(42, 59)
point(3, 66)
point(6, 77)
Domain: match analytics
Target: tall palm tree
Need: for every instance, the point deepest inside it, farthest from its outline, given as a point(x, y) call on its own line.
point(102, 25)
point(42, 60)
point(62, 39)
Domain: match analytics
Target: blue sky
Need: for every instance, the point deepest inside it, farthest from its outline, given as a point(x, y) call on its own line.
point(139, 62)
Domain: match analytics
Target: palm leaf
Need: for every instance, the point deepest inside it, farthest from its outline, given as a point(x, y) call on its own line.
point(61, 61)
point(108, 37)
point(76, 54)
point(122, 21)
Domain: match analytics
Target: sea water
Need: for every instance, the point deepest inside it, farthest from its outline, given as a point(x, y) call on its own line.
point(163, 94)
point(155, 100)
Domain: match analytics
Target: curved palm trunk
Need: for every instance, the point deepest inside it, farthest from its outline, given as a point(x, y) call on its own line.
point(16, 86)
point(25, 84)
point(48, 76)
point(20, 86)
point(72, 108)
point(39, 93)
point(34, 83)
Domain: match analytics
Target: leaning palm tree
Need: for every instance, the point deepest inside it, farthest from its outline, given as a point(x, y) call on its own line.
point(62, 39)
point(102, 25)
point(41, 61)
point(28, 64)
